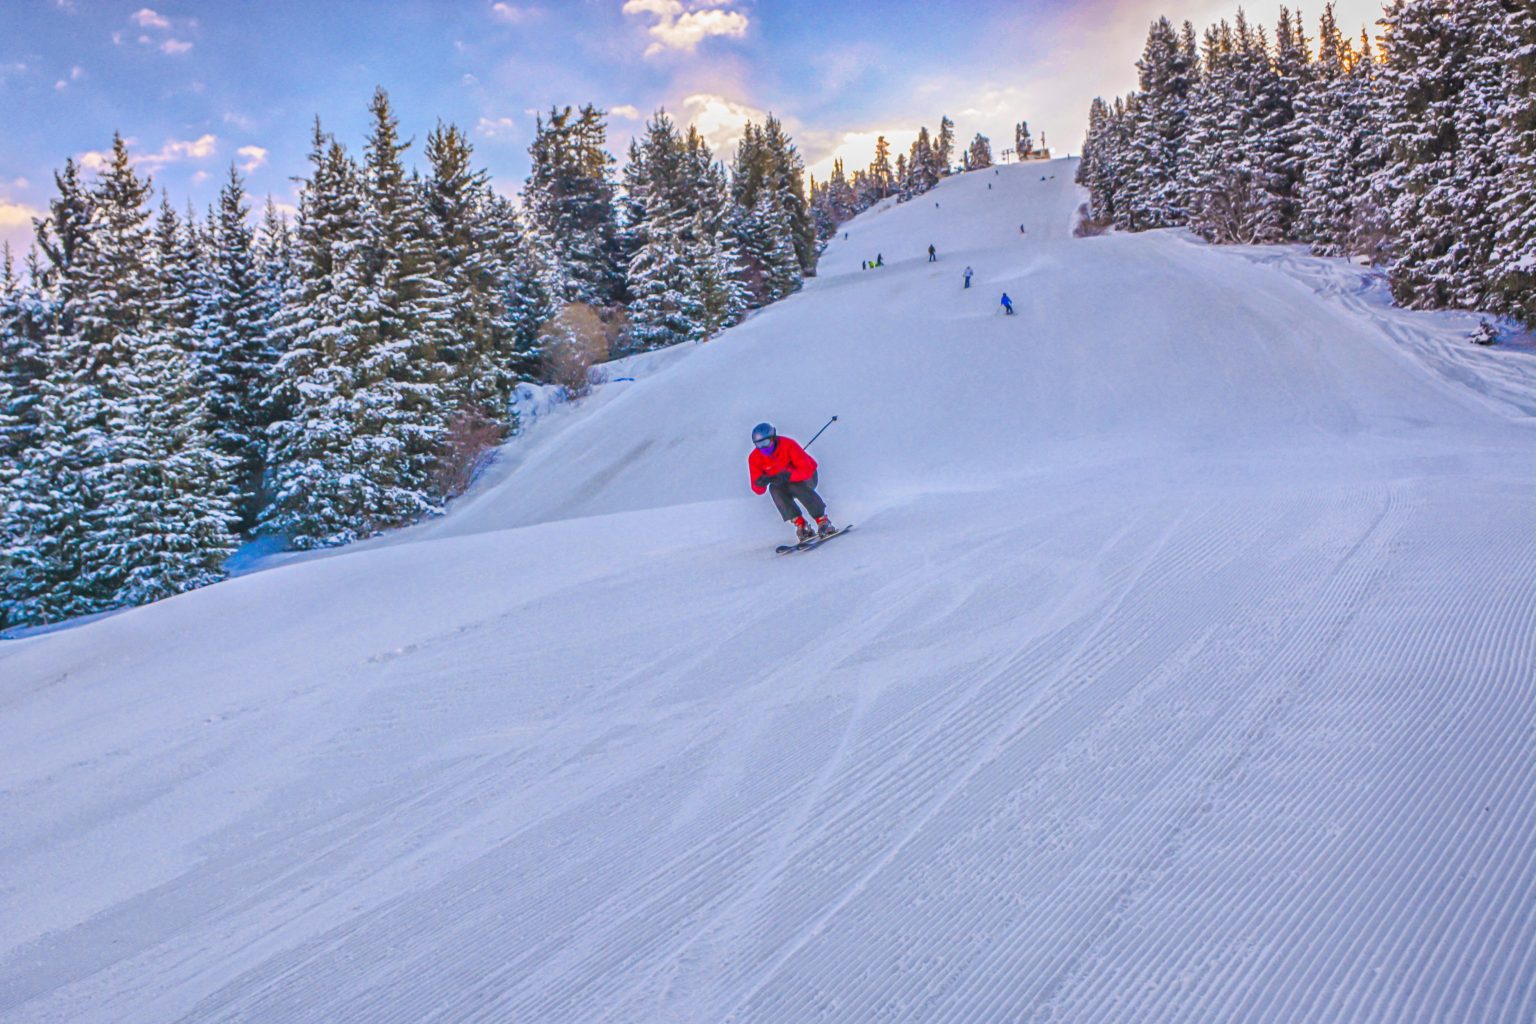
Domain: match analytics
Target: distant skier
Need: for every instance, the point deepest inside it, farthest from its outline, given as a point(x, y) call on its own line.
point(933, 254)
point(968, 273)
point(1007, 305)
point(781, 467)
point(879, 259)
point(1021, 229)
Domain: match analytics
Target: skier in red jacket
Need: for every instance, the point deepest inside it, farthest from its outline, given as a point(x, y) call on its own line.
point(781, 467)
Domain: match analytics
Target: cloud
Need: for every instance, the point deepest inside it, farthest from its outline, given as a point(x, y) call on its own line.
point(174, 151)
point(677, 28)
point(255, 156)
point(146, 18)
point(495, 127)
point(627, 111)
point(239, 120)
point(513, 14)
point(720, 120)
point(175, 46)
point(199, 177)
point(16, 215)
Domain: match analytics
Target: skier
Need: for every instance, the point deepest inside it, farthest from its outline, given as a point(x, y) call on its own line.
point(781, 467)
point(1021, 229)
point(968, 273)
point(933, 254)
point(879, 259)
point(1007, 305)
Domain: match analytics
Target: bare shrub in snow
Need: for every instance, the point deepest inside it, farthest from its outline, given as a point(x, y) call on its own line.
point(471, 438)
point(573, 342)
point(1087, 226)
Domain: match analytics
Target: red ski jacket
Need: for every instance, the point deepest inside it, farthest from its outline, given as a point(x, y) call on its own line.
point(786, 454)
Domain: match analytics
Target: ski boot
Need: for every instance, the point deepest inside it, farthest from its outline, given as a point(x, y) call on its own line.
point(803, 531)
point(824, 527)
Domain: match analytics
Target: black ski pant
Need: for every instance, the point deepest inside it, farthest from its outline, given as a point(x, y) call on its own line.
point(785, 496)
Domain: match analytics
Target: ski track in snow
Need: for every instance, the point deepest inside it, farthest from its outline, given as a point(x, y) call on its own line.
point(1182, 668)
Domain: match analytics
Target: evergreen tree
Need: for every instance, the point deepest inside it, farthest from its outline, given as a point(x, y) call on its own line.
point(1440, 111)
point(319, 494)
point(881, 179)
point(979, 155)
point(944, 145)
point(569, 200)
point(768, 191)
point(477, 346)
point(1023, 142)
point(239, 356)
point(1154, 190)
point(1512, 270)
point(922, 164)
point(666, 307)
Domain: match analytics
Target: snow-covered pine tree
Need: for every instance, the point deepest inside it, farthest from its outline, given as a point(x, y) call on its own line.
point(719, 280)
point(1512, 269)
point(764, 237)
point(569, 203)
point(882, 178)
point(979, 154)
point(1275, 143)
point(665, 308)
point(1440, 111)
point(1154, 188)
point(1023, 142)
point(318, 446)
point(768, 191)
point(476, 348)
point(527, 274)
point(45, 513)
point(944, 145)
point(404, 392)
point(238, 354)
point(922, 163)
point(1325, 131)
point(177, 494)
point(1095, 170)
point(1225, 200)
point(23, 319)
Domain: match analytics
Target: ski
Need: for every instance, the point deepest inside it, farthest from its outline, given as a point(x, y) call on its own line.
point(806, 545)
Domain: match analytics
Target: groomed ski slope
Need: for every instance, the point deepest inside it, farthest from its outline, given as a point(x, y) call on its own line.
point(1182, 668)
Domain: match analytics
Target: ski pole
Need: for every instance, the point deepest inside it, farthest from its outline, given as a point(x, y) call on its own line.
point(824, 426)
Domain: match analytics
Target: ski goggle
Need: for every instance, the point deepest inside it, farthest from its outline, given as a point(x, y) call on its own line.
point(765, 442)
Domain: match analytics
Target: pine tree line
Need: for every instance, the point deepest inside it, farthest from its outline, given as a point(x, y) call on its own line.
point(171, 385)
point(841, 198)
point(1421, 156)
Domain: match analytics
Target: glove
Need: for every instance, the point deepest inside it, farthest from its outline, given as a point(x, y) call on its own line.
point(768, 480)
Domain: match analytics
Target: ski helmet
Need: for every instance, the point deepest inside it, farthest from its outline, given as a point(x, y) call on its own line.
point(763, 432)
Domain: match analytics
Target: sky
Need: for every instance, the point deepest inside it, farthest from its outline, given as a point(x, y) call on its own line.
point(196, 87)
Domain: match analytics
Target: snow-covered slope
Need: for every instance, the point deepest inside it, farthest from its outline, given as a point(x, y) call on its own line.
point(1182, 667)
